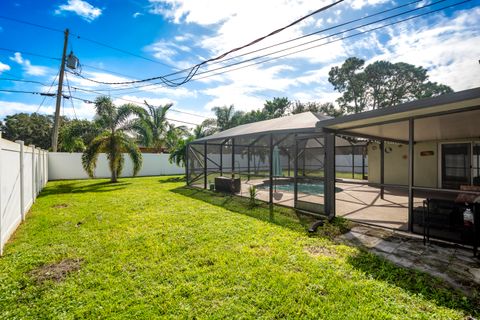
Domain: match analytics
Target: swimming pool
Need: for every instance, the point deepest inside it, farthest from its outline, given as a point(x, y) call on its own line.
point(303, 187)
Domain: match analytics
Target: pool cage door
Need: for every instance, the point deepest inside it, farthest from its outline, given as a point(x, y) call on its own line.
point(309, 174)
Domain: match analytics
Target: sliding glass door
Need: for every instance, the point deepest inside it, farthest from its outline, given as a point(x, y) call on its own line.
point(456, 165)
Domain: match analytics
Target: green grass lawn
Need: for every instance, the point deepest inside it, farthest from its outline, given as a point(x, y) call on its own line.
point(151, 248)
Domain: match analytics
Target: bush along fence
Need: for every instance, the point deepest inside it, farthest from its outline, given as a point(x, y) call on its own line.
point(23, 174)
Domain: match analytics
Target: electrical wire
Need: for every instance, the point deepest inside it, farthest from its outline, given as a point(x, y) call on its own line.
point(336, 40)
point(26, 81)
point(87, 39)
point(45, 97)
point(31, 54)
point(137, 102)
point(193, 70)
point(70, 93)
point(81, 99)
point(309, 42)
point(81, 89)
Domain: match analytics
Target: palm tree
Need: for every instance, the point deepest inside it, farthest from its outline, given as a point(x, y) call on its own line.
point(174, 135)
point(153, 126)
point(225, 117)
point(178, 155)
point(113, 140)
point(206, 128)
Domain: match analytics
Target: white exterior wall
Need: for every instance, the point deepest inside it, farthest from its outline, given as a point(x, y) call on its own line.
point(17, 193)
point(64, 165)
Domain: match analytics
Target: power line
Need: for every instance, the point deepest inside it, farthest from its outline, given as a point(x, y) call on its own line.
point(138, 102)
point(87, 39)
point(32, 92)
point(101, 93)
point(51, 86)
point(336, 40)
point(70, 93)
point(193, 70)
point(124, 51)
point(30, 54)
point(309, 42)
point(81, 99)
point(30, 24)
point(322, 30)
point(26, 81)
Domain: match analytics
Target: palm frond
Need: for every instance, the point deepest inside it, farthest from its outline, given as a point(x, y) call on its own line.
point(130, 147)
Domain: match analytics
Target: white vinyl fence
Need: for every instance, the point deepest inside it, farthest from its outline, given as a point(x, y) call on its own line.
point(23, 174)
point(64, 165)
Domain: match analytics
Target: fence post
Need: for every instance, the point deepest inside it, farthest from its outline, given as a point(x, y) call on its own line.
point(46, 167)
point(33, 173)
point(39, 171)
point(1, 211)
point(22, 179)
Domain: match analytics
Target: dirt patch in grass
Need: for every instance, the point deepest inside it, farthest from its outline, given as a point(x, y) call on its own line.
point(56, 271)
point(60, 206)
point(321, 251)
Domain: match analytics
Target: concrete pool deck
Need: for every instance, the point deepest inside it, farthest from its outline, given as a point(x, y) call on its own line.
point(360, 203)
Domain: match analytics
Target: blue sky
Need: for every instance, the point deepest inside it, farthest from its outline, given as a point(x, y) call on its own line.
point(178, 34)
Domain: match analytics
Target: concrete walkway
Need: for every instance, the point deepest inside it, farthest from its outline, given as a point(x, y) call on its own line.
point(454, 264)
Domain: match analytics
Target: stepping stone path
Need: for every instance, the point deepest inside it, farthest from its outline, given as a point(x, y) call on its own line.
point(455, 264)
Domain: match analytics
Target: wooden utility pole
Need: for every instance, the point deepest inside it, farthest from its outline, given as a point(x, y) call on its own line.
point(56, 124)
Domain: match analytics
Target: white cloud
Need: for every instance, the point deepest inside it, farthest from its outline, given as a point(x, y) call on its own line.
point(28, 67)
point(359, 4)
point(137, 14)
point(167, 51)
point(442, 48)
point(81, 8)
point(4, 67)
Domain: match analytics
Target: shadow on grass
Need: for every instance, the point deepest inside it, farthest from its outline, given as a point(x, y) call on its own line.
point(82, 187)
point(173, 180)
point(282, 216)
point(419, 283)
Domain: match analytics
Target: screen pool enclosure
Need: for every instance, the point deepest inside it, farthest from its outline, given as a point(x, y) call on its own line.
point(405, 167)
point(283, 158)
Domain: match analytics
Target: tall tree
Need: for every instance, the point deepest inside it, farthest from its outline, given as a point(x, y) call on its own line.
point(113, 140)
point(278, 107)
point(32, 128)
point(381, 84)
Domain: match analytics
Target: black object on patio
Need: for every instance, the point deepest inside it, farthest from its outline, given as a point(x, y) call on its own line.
point(226, 184)
point(446, 219)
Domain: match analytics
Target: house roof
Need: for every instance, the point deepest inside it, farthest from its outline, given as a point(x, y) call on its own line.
point(449, 116)
point(304, 122)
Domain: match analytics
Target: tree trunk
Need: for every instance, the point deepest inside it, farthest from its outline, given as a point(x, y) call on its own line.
point(114, 176)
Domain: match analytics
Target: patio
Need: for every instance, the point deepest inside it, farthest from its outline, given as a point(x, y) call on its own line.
point(356, 202)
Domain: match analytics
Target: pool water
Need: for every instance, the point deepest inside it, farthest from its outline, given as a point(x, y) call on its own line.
point(307, 188)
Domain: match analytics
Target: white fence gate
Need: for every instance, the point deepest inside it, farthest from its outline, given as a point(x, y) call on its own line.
point(23, 174)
